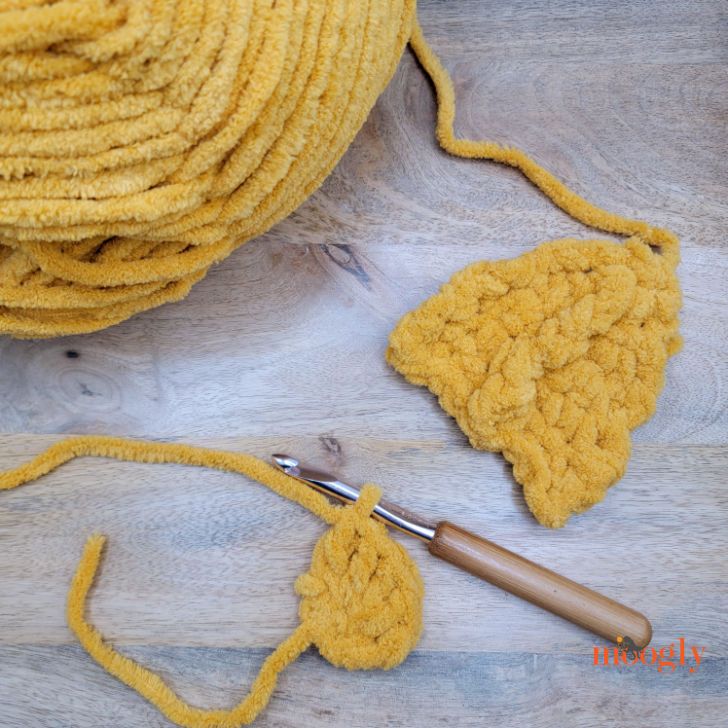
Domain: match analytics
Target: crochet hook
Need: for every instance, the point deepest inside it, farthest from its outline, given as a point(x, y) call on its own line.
point(495, 564)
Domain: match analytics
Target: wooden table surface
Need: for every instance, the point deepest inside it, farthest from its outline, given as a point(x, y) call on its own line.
point(281, 348)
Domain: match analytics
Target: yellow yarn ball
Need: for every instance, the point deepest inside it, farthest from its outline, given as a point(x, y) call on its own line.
point(141, 142)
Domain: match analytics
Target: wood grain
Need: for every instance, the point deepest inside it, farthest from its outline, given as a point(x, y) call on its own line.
point(281, 348)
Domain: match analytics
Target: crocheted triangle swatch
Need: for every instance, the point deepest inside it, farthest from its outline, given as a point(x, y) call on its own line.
point(551, 358)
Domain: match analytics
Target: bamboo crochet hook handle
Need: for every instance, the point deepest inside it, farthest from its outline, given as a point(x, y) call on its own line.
point(541, 586)
point(493, 563)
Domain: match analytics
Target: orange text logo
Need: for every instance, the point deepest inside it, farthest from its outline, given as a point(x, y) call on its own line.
point(672, 657)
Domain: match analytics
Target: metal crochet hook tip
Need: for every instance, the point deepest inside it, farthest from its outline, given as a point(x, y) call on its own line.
point(285, 462)
point(389, 513)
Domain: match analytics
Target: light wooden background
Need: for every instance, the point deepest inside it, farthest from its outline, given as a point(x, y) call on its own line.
point(281, 348)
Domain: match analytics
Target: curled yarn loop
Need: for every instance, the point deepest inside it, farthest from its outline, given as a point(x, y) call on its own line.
point(553, 357)
point(141, 142)
point(361, 600)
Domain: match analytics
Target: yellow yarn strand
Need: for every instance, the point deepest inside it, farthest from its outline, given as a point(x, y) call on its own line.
point(141, 451)
point(571, 203)
point(147, 683)
point(361, 599)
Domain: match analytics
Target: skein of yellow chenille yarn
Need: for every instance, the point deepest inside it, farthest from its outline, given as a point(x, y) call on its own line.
point(141, 141)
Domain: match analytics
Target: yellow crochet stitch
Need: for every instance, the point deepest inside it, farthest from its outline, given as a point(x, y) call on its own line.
point(361, 597)
point(553, 357)
point(142, 141)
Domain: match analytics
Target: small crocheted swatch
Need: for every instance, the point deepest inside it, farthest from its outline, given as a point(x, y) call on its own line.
point(361, 597)
point(551, 358)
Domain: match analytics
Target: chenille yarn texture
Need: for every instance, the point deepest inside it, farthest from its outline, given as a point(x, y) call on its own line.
point(361, 598)
point(553, 357)
point(142, 141)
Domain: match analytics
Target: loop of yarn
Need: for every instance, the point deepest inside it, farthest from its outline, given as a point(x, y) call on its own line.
point(142, 141)
point(553, 357)
point(361, 597)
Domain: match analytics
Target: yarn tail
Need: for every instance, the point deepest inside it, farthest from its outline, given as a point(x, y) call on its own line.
point(149, 684)
point(564, 198)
